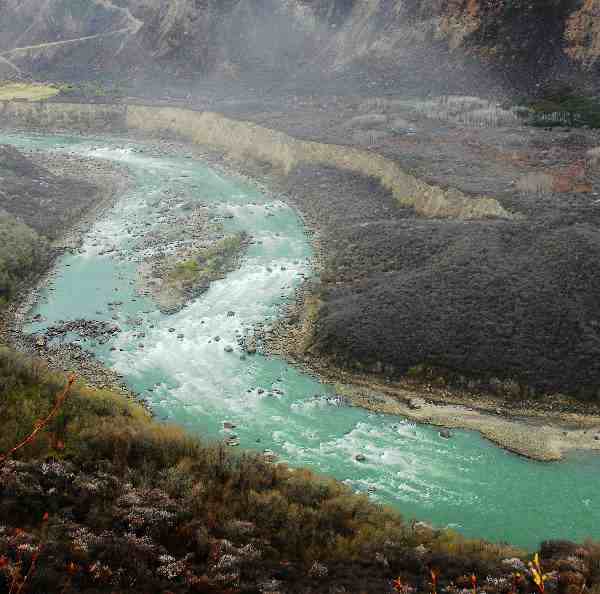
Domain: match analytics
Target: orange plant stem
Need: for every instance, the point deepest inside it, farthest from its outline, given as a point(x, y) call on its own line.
point(41, 425)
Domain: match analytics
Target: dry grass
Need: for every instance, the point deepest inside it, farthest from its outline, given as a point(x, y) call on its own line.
point(10, 91)
point(468, 111)
point(42, 424)
point(146, 501)
point(473, 112)
point(536, 183)
point(593, 159)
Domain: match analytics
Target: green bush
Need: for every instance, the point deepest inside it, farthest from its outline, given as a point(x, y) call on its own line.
point(22, 253)
point(560, 105)
point(209, 263)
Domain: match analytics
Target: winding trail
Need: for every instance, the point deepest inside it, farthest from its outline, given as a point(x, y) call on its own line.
point(133, 27)
point(52, 44)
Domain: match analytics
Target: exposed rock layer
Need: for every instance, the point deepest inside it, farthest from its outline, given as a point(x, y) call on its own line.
point(279, 38)
point(260, 143)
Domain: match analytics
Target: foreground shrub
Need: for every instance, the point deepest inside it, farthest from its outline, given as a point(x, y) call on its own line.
point(131, 505)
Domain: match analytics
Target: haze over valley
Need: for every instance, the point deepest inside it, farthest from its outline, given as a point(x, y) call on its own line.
point(300, 296)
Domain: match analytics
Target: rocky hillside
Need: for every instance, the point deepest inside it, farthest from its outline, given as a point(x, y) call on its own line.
point(33, 195)
point(279, 38)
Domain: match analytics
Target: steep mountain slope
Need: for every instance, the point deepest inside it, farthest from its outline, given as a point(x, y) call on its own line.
point(242, 38)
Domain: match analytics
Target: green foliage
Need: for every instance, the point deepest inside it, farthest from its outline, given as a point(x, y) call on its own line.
point(93, 89)
point(560, 105)
point(22, 253)
point(28, 392)
point(303, 515)
point(26, 91)
point(127, 497)
point(210, 262)
point(188, 270)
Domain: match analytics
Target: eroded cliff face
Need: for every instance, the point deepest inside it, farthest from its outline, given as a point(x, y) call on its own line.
point(526, 34)
point(543, 37)
point(582, 33)
point(176, 37)
point(28, 22)
point(237, 38)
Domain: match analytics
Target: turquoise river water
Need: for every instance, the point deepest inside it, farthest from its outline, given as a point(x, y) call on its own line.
point(465, 482)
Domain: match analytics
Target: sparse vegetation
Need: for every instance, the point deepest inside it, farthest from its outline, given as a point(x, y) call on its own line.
point(9, 91)
point(561, 105)
point(92, 90)
point(209, 263)
point(473, 112)
point(556, 106)
point(398, 292)
point(36, 206)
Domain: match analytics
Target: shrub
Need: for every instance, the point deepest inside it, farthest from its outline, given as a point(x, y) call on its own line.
point(22, 253)
point(139, 506)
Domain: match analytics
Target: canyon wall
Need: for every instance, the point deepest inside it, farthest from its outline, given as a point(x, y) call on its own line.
point(284, 39)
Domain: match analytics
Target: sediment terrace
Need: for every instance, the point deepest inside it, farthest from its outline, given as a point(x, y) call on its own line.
point(245, 139)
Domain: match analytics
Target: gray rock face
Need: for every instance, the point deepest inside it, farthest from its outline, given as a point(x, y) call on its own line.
point(415, 404)
point(277, 39)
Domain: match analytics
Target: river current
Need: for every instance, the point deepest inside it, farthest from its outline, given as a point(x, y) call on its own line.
point(465, 482)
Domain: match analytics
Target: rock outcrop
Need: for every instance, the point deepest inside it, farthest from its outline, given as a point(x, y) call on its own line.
point(279, 39)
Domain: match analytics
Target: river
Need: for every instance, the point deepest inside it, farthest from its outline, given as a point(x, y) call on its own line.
point(465, 482)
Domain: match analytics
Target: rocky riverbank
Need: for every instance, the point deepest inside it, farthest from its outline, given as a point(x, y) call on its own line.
point(544, 434)
point(175, 279)
point(546, 428)
point(177, 259)
point(108, 181)
point(545, 431)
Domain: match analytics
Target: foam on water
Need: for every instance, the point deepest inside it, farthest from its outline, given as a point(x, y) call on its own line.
point(465, 481)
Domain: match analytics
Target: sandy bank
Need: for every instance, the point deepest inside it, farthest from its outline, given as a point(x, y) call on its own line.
point(248, 140)
point(537, 434)
point(542, 434)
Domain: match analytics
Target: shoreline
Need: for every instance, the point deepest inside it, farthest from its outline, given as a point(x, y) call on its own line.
point(536, 435)
point(540, 436)
point(111, 182)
